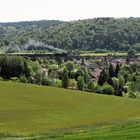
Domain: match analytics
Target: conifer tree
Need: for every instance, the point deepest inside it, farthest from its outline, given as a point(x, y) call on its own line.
point(111, 70)
point(103, 77)
point(65, 78)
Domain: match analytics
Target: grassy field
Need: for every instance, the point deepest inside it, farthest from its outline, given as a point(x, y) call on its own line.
point(38, 112)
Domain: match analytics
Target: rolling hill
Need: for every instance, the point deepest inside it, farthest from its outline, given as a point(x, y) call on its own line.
point(39, 112)
point(98, 34)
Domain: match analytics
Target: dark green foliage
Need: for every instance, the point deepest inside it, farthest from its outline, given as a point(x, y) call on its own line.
point(131, 53)
point(135, 86)
point(109, 81)
point(23, 79)
point(72, 74)
point(39, 77)
point(70, 65)
point(121, 82)
point(92, 34)
point(117, 70)
point(131, 95)
point(79, 72)
point(118, 85)
point(65, 78)
point(103, 77)
point(108, 89)
point(91, 86)
point(12, 66)
point(99, 34)
point(80, 83)
point(86, 76)
point(111, 70)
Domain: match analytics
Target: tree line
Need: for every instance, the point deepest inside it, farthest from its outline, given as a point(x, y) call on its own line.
point(119, 80)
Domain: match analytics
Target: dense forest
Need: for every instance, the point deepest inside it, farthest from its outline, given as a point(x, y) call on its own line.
point(99, 34)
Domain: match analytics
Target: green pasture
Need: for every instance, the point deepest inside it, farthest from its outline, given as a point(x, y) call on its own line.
point(39, 112)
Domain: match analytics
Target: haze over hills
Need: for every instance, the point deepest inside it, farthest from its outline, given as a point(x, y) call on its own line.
point(27, 24)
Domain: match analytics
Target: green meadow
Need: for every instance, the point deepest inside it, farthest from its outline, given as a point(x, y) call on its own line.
point(38, 112)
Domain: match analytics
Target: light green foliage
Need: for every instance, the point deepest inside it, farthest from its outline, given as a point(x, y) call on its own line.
point(131, 75)
point(116, 85)
point(131, 95)
point(35, 66)
point(15, 79)
point(121, 82)
point(58, 83)
point(86, 76)
point(38, 77)
point(98, 88)
point(107, 89)
point(53, 67)
point(72, 84)
point(52, 74)
point(23, 79)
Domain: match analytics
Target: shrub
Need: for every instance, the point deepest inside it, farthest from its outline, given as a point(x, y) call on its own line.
point(1, 79)
point(98, 88)
point(58, 83)
point(72, 84)
point(131, 95)
point(80, 83)
point(91, 86)
point(108, 89)
point(45, 81)
point(23, 79)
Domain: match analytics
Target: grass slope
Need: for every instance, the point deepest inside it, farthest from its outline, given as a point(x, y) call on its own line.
point(30, 109)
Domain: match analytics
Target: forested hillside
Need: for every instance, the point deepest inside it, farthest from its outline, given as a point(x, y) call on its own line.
point(19, 33)
point(98, 34)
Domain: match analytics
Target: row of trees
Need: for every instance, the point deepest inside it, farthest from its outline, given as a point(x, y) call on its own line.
point(13, 67)
point(111, 81)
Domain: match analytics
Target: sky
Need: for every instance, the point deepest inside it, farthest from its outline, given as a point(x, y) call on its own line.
point(67, 10)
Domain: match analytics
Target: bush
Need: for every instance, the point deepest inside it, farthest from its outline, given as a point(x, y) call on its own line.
point(1, 79)
point(45, 81)
point(58, 83)
point(108, 89)
point(80, 83)
point(91, 86)
point(98, 88)
point(131, 53)
point(131, 95)
point(72, 84)
point(23, 79)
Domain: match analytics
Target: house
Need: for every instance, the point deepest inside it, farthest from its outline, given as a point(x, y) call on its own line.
point(95, 74)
